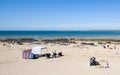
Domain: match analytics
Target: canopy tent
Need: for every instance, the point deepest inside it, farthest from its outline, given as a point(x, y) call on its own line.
point(38, 50)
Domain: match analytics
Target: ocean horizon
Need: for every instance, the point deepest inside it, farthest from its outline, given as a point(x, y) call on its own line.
point(58, 34)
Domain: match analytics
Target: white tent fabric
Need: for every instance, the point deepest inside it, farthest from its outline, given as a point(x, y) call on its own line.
point(37, 50)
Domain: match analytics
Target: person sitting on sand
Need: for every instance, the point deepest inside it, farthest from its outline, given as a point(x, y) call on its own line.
point(107, 46)
point(104, 46)
point(4, 44)
point(60, 53)
point(93, 62)
point(54, 54)
point(48, 55)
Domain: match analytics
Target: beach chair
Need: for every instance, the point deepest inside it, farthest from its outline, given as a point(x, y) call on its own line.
point(54, 55)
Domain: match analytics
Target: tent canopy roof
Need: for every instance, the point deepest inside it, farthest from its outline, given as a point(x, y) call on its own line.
point(38, 49)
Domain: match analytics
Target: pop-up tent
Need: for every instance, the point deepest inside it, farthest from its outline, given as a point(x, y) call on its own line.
point(38, 50)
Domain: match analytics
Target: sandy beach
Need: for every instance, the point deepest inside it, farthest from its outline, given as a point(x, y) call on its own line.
point(74, 62)
point(59, 37)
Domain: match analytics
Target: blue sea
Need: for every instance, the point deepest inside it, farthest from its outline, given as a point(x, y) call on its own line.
point(56, 34)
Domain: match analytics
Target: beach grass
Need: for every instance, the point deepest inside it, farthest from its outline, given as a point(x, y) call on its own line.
point(108, 40)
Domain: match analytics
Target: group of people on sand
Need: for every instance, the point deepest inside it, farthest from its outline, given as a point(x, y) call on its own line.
point(94, 62)
point(7, 45)
point(54, 54)
point(109, 46)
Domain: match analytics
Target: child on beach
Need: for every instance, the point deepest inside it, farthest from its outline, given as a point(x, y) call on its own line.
point(106, 65)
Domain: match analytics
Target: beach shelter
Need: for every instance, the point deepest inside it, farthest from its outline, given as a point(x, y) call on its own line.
point(38, 49)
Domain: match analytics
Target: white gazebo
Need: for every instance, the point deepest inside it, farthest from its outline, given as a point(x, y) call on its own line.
point(38, 49)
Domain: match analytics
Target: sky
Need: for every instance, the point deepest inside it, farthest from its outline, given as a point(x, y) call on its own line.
point(59, 14)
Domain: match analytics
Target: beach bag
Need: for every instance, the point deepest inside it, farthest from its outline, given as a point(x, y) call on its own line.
point(31, 56)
